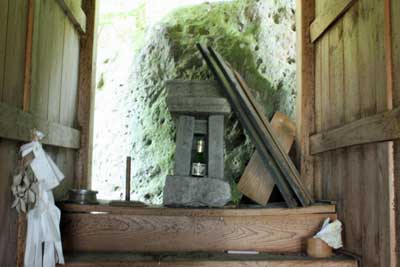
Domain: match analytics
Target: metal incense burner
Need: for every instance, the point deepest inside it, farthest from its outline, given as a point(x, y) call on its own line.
point(82, 196)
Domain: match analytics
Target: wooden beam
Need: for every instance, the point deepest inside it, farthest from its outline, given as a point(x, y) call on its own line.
point(305, 113)
point(158, 233)
point(269, 210)
point(17, 125)
point(86, 94)
point(74, 12)
point(377, 128)
point(220, 259)
point(332, 13)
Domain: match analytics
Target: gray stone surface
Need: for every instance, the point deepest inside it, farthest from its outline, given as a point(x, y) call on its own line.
point(196, 192)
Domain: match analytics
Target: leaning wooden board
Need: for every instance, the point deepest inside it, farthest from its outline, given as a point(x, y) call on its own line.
point(275, 159)
point(256, 182)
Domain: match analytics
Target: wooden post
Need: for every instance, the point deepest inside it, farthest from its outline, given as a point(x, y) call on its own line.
point(87, 82)
point(305, 14)
point(128, 179)
point(216, 146)
point(184, 143)
point(28, 56)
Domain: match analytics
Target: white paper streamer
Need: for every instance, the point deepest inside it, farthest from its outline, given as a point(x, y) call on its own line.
point(43, 241)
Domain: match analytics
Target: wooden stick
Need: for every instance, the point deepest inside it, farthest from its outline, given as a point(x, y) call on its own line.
point(128, 179)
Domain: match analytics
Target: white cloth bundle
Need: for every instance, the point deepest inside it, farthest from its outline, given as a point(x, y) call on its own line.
point(44, 218)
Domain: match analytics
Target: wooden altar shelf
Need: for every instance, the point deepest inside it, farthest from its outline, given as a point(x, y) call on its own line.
point(102, 228)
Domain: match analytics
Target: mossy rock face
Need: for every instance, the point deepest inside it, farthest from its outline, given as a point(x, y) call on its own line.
point(257, 38)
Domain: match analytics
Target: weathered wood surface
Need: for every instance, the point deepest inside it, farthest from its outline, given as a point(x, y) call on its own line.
point(13, 52)
point(13, 27)
point(351, 89)
point(216, 146)
point(184, 142)
point(284, 172)
point(201, 127)
point(376, 128)
point(86, 92)
point(256, 181)
point(203, 260)
point(73, 10)
point(243, 117)
point(198, 105)
point(28, 56)
point(305, 81)
point(271, 210)
point(8, 217)
point(196, 97)
point(157, 233)
point(193, 88)
point(17, 125)
point(395, 37)
point(327, 16)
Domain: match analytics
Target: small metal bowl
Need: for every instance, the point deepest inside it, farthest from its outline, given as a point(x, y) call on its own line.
point(82, 196)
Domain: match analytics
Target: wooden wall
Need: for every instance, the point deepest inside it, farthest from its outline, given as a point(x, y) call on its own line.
point(50, 83)
point(355, 51)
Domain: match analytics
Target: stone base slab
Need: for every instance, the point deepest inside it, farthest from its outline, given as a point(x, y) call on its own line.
point(182, 191)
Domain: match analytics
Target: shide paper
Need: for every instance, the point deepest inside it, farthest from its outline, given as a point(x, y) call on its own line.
point(43, 241)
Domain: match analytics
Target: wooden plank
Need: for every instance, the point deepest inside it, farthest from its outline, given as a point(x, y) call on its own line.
point(17, 125)
point(216, 146)
point(15, 56)
point(332, 13)
point(262, 127)
point(353, 179)
point(362, 131)
point(305, 90)
point(139, 233)
point(8, 217)
point(198, 105)
point(193, 88)
point(86, 93)
point(318, 179)
point(57, 32)
point(242, 115)
point(202, 260)
point(41, 62)
point(395, 5)
point(184, 142)
point(75, 14)
point(270, 210)
point(69, 83)
point(256, 181)
point(28, 56)
point(3, 41)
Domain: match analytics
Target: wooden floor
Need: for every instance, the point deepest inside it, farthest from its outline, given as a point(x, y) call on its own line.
point(202, 260)
point(103, 228)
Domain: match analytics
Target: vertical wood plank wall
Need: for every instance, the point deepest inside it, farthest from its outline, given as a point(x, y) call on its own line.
point(54, 90)
point(350, 84)
point(12, 49)
point(395, 42)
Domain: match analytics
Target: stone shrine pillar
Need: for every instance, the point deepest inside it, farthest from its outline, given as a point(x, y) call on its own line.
point(199, 109)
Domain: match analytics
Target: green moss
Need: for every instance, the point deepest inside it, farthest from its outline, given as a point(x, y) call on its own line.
point(232, 29)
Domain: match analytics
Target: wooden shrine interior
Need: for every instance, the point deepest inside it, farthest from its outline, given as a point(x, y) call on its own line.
point(348, 104)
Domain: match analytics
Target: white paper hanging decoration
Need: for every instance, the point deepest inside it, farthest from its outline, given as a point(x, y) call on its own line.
point(43, 241)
